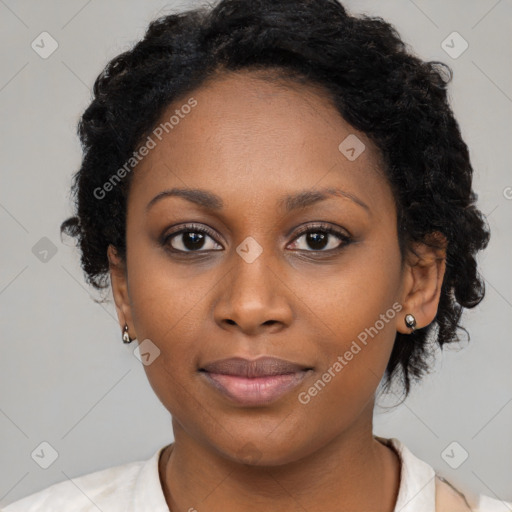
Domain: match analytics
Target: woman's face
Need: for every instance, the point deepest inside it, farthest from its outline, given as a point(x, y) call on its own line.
point(259, 158)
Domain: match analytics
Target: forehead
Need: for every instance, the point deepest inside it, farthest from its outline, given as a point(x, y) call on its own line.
point(249, 138)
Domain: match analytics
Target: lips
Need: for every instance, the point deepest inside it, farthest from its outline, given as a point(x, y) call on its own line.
point(262, 367)
point(254, 382)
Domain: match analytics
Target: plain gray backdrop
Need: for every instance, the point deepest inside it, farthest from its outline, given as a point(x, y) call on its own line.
point(65, 376)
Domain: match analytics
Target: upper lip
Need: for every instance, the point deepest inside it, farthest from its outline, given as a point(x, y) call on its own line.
point(261, 367)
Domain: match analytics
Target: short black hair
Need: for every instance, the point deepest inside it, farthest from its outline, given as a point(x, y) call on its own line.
point(375, 82)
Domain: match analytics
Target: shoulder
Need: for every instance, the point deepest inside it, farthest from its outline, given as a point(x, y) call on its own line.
point(450, 499)
point(423, 489)
point(107, 489)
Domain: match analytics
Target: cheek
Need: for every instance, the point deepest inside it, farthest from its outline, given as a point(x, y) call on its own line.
point(167, 306)
point(353, 360)
point(164, 295)
point(356, 313)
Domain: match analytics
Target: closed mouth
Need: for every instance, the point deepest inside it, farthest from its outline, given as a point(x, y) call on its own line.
point(256, 382)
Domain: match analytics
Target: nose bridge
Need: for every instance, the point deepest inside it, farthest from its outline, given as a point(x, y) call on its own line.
point(253, 296)
point(251, 277)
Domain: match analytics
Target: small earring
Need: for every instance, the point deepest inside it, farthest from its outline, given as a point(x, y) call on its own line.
point(126, 336)
point(410, 322)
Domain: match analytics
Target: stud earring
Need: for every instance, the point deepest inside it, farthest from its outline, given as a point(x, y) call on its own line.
point(410, 322)
point(126, 336)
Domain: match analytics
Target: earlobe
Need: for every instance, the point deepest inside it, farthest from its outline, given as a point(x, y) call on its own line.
point(423, 280)
point(119, 283)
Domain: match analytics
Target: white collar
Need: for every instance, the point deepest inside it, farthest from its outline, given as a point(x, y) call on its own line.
point(148, 494)
point(417, 490)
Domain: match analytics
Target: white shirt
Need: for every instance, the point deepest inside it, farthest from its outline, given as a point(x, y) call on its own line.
point(136, 487)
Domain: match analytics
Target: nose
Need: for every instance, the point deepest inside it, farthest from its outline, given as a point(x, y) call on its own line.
point(253, 298)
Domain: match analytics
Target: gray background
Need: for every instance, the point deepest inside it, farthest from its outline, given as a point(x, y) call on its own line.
point(65, 376)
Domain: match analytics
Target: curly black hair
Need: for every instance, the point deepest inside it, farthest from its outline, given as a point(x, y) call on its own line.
point(375, 82)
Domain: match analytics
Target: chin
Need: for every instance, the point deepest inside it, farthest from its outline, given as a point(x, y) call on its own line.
point(263, 451)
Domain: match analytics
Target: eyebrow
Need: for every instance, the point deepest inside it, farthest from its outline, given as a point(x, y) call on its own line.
point(309, 197)
point(290, 202)
point(194, 195)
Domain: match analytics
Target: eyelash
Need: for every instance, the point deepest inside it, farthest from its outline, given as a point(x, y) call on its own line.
point(317, 228)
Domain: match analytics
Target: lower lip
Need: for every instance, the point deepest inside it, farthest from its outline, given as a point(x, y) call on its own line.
point(256, 391)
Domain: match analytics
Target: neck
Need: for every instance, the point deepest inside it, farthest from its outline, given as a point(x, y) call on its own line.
point(352, 472)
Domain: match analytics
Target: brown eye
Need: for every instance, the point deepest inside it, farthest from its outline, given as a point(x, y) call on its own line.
point(321, 239)
point(191, 239)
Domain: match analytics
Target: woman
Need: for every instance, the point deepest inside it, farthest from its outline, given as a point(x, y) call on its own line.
point(280, 197)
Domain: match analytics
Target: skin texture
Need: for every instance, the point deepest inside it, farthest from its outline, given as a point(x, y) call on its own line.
point(252, 142)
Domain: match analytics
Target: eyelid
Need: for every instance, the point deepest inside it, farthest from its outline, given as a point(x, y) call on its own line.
point(321, 226)
point(345, 238)
point(192, 227)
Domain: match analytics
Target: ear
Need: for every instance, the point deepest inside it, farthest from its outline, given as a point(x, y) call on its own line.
point(424, 271)
point(119, 282)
